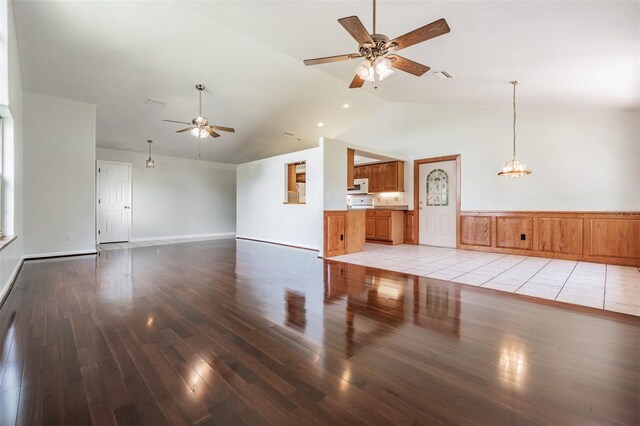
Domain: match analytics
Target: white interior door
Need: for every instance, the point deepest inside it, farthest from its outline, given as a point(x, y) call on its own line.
point(114, 202)
point(438, 204)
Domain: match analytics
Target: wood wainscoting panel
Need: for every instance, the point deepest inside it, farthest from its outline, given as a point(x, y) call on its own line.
point(615, 237)
point(475, 230)
point(409, 228)
point(604, 237)
point(355, 230)
point(509, 232)
point(559, 235)
point(344, 232)
point(334, 233)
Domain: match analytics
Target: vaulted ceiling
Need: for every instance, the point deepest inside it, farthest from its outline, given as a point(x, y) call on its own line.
point(116, 54)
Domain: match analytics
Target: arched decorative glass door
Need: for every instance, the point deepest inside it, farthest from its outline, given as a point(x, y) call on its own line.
point(437, 185)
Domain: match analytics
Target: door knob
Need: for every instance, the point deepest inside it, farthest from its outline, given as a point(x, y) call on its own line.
point(126, 207)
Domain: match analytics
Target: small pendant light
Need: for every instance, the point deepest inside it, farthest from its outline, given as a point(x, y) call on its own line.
point(150, 163)
point(514, 168)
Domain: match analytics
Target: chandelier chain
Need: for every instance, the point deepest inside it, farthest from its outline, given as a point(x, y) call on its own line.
point(514, 118)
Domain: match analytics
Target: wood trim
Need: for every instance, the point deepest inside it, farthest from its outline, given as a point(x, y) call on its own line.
point(350, 168)
point(416, 192)
point(603, 237)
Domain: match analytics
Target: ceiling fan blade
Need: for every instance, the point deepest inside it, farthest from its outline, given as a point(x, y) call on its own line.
point(429, 31)
point(212, 133)
point(357, 30)
point(186, 129)
point(223, 129)
point(328, 59)
point(407, 65)
point(174, 121)
point(356, 83)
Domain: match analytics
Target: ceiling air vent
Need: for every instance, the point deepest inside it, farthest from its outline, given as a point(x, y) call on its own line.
point(154, 102)
point(444, 74)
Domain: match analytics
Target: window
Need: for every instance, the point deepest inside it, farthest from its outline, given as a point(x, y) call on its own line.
point(437, 188)
point(296, 183)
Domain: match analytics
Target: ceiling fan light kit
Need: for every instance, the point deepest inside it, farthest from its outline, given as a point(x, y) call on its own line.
point(379, 52)
point(514, 168)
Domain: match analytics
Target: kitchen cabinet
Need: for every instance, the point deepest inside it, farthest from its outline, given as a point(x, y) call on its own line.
point(361, 172)
point(344, 232)
point(393, 176)
point(370, 226)
point(375, 178)
point(383, 177)
point(385, 226)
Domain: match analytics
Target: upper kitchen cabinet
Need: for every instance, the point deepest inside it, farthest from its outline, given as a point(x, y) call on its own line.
point(362, 172)
point(375, 178)
point(393, 176)
point(383, 177)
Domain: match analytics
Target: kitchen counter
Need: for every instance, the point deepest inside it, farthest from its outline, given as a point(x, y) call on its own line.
point(380, 207)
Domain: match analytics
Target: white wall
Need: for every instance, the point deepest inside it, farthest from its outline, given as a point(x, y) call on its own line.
point(261, 192)
point(59, 176)
point(581, 159)
point(11, 256)
point(179, 197)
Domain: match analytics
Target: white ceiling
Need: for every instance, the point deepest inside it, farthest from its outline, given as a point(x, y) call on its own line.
point(116, 54)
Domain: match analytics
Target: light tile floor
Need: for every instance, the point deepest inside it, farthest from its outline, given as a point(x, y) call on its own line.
point(118, 246)
point(609, 287)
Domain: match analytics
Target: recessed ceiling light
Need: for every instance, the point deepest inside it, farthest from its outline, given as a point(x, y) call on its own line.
point(345, 106)
point(320, 124)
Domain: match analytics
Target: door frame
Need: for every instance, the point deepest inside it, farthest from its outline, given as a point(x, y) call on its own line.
point(416, 192)
point(97, 221)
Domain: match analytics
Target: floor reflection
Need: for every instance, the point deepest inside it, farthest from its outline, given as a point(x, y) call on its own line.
point(295, 305)
point(379, 302)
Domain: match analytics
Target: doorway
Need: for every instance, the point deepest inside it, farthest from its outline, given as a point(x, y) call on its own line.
point(113, 205)
point(437, 198)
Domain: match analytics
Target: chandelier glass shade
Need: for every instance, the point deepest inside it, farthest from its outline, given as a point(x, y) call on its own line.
point(514, 168)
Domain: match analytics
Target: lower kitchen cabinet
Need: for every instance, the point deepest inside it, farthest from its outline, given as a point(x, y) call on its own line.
point(370, 225)
point(385, 226)
point(344, 232)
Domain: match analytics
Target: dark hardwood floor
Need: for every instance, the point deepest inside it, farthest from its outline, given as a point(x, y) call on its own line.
point(226, 332)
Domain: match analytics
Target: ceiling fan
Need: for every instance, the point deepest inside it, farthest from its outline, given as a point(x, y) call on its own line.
point(379, 52)
point(199, 126)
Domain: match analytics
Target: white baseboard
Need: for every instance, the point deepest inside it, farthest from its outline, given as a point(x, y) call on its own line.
point(9, 283)
point(179, 237)
point(59, 254)
point(279, 242)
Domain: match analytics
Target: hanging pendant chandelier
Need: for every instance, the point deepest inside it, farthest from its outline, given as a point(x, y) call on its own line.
point(514, 168)
point(150, 163)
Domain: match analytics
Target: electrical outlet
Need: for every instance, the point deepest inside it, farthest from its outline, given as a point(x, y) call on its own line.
point(69, 237)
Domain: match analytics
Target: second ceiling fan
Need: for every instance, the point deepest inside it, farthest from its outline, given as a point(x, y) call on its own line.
point(379, 52)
